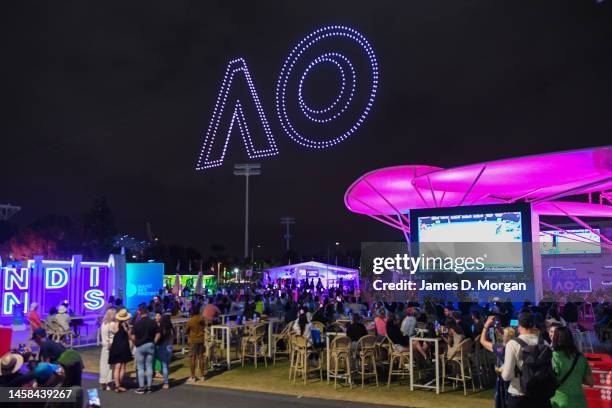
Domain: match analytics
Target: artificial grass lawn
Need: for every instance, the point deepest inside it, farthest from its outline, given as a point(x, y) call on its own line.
point(276, 380)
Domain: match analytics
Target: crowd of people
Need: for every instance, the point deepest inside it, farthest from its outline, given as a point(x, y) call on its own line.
point(537, 362)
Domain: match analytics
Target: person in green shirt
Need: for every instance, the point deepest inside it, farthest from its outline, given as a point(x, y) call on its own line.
point(572, 370)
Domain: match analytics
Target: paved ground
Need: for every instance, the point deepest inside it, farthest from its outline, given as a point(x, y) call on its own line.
point(185, 396)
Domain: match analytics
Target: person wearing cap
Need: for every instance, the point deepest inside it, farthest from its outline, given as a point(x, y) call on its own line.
point(120, 352)
point(10, 374)
point(49, 350)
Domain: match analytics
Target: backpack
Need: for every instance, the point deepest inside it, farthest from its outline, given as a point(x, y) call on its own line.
point(538, 380)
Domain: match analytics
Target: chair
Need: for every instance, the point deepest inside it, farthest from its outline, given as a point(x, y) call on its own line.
point(340, 354)
point(283, 336)
point(402, 359)
point(58, 334)
point(318, 325)
point(480, 364)
point(366, 353)
point(301, 353)
point(254, 346)
point(461, 357)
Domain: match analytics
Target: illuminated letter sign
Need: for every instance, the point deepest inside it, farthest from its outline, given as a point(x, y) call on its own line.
point(55, 278)
point(85, 285)
point(317, 127)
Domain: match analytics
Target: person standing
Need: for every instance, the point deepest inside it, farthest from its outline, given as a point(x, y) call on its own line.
point(34, 317)
point(528, 362)
point(106, 334)
point(571, 369)
point(492, 345)
point(195, 338)
point(164, 345)
point(144, 337)
point(120, 352)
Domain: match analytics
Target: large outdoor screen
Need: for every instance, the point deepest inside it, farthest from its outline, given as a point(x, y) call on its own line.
point(496, 232)
point(570, 242)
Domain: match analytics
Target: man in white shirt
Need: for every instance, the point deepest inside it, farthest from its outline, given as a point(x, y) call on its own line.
point(513, 359)
point(408, 325)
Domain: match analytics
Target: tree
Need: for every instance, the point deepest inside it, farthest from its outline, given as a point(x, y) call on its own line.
point(52, 236)
point(98, 230)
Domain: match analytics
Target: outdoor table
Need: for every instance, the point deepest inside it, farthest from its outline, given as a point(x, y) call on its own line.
point(428, 385)
point(226, 333)
point(327, 342)
point(270, 322)
point(77, 328)
point(179, 325)
point(225, 317)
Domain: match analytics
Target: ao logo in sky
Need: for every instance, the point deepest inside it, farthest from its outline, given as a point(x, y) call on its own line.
point(332, 59)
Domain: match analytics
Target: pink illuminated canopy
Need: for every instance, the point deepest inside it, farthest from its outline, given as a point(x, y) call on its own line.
point(388, 194)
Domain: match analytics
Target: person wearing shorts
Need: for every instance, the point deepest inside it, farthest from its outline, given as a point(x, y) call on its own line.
point(196, 326)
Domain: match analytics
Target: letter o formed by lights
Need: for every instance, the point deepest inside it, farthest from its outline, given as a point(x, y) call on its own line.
point(325, 119)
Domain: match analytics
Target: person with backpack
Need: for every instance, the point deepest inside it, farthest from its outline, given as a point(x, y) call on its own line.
point(528, 367)
point(572, 370)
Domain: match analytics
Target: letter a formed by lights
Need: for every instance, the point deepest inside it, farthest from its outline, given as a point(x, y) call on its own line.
point(205, 160)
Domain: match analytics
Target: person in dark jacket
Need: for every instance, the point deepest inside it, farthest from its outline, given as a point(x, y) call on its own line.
point(356, 329)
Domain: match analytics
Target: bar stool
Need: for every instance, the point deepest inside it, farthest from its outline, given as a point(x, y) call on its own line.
point(461, 357)
point(301, 354)
point(402, 358)
point(340, 355)
point(254, 346)
point(366, 351)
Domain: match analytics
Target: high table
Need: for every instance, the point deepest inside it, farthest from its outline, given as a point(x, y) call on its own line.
point(327, 343)
point(428, 385)
point(179, 324)
point(226, 333)
point(270, 322)
point(225, 317)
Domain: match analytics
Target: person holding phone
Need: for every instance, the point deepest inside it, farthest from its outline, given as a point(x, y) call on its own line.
point(499, 349)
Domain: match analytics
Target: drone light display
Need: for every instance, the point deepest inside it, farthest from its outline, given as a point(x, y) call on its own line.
point(313, 127)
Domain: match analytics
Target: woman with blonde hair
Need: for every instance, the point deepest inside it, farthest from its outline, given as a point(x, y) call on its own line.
point(501, 386)
point(106, 334)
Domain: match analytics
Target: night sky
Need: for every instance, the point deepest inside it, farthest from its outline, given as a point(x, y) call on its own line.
point(112, 99)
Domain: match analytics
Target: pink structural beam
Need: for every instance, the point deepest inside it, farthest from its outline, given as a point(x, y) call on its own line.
point(390, 193)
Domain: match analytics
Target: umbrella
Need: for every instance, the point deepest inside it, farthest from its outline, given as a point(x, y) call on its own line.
point(198, 288)
point(177, 289)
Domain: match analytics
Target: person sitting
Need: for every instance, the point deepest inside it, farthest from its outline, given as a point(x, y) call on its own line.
point(381, 323)
point(356, 329)
point(10, 371)
point(62, 318)
point(50, 320)
point(394, 333)
point(408, 326)
point(477, 323)
point(302, 327)
point(454, 338)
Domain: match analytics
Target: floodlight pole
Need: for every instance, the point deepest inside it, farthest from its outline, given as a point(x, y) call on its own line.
point(287, 221)
point(247, 170)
